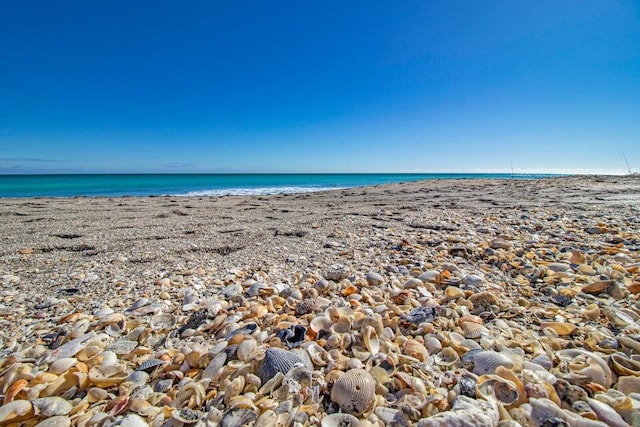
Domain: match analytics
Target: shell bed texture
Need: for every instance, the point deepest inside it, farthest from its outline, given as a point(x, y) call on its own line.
point(479, 303)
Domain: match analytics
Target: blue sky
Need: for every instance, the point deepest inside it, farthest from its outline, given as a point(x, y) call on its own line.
point(333, 86)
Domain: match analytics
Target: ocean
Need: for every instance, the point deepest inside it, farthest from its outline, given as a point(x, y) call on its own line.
point(114, 185)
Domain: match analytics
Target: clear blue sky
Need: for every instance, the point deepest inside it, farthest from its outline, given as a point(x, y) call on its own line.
point(328, 86)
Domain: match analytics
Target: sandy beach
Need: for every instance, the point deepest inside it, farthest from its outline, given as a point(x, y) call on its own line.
point(406, 288)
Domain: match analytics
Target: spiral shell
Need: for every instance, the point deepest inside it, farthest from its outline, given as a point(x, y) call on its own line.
point(354, 391)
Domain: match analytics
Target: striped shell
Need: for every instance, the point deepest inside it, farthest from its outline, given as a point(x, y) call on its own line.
point(354, 391)
point(340, 420)
point(307, 305)
point(486, 362)
point(276, 360)
point(150, 364)
point(473, 330)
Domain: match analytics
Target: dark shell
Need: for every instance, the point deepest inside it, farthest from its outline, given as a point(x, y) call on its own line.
point(161, 386)
point(421, 314)
point(467, 386)
point(293, 336)
point(195, 320)
point(306, 306)
point(277, 360)
point(150, 364)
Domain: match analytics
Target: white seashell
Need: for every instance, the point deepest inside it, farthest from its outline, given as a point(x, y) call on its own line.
point(71, 348)
point(354, 391)
point(340, 420)
point(543, 410)
point(133, 420)
point(370, 340)
point(62, 365)
point(57, 421)
point(588, 364)
point(15, 411)
point(606, 413)
point(465, 412)
point(51, 406)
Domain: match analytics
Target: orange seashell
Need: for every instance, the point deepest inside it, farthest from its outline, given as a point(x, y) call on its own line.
point(349, 290)
point(444, 275)
point(13, 390)
point(634, 288)
point(577, 258)
point(561, 328)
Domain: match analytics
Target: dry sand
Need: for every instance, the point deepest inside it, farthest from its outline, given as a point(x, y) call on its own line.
point(62, 256)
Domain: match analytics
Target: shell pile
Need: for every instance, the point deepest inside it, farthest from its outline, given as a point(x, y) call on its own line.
point(525, 318)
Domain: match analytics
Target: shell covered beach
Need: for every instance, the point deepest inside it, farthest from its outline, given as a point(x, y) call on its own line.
point(433, 303)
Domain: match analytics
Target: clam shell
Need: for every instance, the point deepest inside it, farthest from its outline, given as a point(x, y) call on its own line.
point(15, 411)
point(624, 366)
point(561, 328)
point(370, 340)
point(238, 417)
point(340, 420)
point(163, 322)
point(320, 323)
point(185, 415)
point(466, 412)
point(107, 376)
point(51, 406)
point(628, 384)
point(447, 357)
point(57, 421)
point(354, 391)
point(122, 346)
point(277, 360)
point(588, 364)
point(62, 365)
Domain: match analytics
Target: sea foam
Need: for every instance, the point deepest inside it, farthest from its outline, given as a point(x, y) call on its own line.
point(262, 191)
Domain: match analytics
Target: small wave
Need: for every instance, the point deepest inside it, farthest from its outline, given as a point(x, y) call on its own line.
point(262, 191)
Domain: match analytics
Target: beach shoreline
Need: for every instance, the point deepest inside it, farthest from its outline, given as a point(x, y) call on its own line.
point(90, 256)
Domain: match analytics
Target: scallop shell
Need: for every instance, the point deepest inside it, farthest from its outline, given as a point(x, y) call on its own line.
point(150, 364)
point(486, 362)
point(340, 420)
point(473, 330)
point(276, 360)
point(354, 391)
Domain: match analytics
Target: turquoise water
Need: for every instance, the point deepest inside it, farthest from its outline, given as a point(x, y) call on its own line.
point(206, 184)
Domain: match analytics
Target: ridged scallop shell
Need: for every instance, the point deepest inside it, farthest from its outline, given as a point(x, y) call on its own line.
point(150, 364)
point(473, 330)
point(486, 362)
point(354, 391)
point(276, 360)
point(340, 420)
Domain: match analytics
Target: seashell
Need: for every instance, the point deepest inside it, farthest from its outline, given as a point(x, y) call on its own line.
point(587, 364)
point(163, 322)
point(293, 336)
point(465, 412)
point(415, 349)
point(191, 395)
point(370, 340)
point(69, 349)
point(57, 421)
point(629, 343)
point(505, 388)
point(546, 413)
point(354, 391)
point(606, 413)
point(591, 311)
point(162, 386)
point(133, 420)
point(486, 362)
point(14, 389)
point(62, 365)
point(51, 406)
point(186, 415)
point(150, 364)
point(16, 411)
point(276, 360)
point(307, 305)
point(447, 357)
point(624, 366)
point(318, 355)
point(561, 328)
point(421, 314)
point(107, 376)
point(473, 330)
point(238, 417)
point(342, 325)
point(96, 394)
point(340, 420)
point(483, 301)
point(122, 346)
point(320, 323)
point(628, 384)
